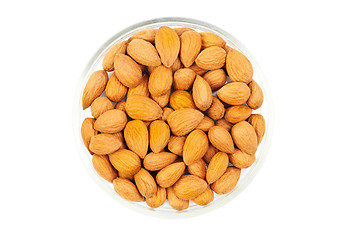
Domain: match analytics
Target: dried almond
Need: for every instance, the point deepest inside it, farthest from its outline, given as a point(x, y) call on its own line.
point(182, 30)
point(258, 123)
point(190, 47)
point(241, 159)
point(145, 34)
point(160, 81)
point(143, 52)
point(127, 70)
point(183, 78)
point(136, 137)
point(216, 110)
point(159, 135)
point(145, 183)
point(125, 161)
point(115, 90)
point(121, 106)
point(175, 202)
point(221, 139)
point(225, 124)
point(88, 131)
point(184, 120)
point(166, 112)
point(176, 65)
point(141, 89)
point(234, 93)
point(211, 151)
point(256, 98)
point(157, 161)
point(210, 39)
point(162, 100)
point(198, 168)
point(237, 114)
point(215, 78)
point(111, 121)
point(126, 189)
point(245, 137)
point(211, 58)
point(217, 167)
point(189, 187)
point(175, 145)
point(109, 58)
point(158, 199)
point(202, 93)
point(195, 147)
point(205, 198)
point(103, 144)
point(181, 99)
point(199, 71)
point(168, 175)
point(238, 67)
point(103, 167)
point(100, 105)
point(94, 87)
point(142, 108)
point(119, 135)
point(167, 44)
point(227, 182)
point(205, 124)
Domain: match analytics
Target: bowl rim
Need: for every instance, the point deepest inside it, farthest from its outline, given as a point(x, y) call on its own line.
point(240, 186)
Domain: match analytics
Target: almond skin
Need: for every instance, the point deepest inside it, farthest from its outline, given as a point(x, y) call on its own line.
point(195, 147)
point(115, 90)
point(205, 124)
point(159, 135)
point(160, 81)
point(183, 78)
point(103, 144)
point(245, 137)
point(199, 71)
point(181, 99)
point(126, 189)
point(143, 52)
point(258, 123)
point(227, 182)
point(176, 65)
point(111, 121)
point(198, 168)
point(175, 202)
point(215, 78)
point(211, 58)
point(166, 112)
point(136, 137)
point(190, 47)
point(221, 139)
point(189, 187)
point(103, 167)
point(256, 98)
point(162, 100)
point(142, 108)
point(127, 70)
point(237, 114)
point(238, 67)
point(216, 110)
point(157, 161)
point(121, 106)
point(100, 105)
point(211, 151)
point(234, 93)
point(88, 131)
point(205, 198)
point(141, 89)
point(169, 175)
point(168, 45)
point(241, 159)
point(217, 167)
point(175, 145)
point(94, 87)
point(225, 124)
point(158, 199)
point(108, 60)
point(125, 161)
point(202, 93)
point(119, 136)
point(145, 183)
point(183, 121)
point(210, 39)
point(146, 34)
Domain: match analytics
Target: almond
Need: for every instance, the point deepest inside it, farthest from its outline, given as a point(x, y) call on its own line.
point(205, 124)
point(210, 39)
point(190, 47)
point(111, 121)
point(159, 135)
point(189, 187)
point(94, 87)
point(245, 137)
point(167, 176)
point(241, 159)
point(119, 136)
point(184, 120)
point(211, 58)
point(88, 131)
point(100, 105)
point(127, 70)
point(225, 124)
point(217, 166)
point(238, 67)
point(216, 110)
point(258, 123)
point(157, 161)
point(227, 182)
point(227, 48)
point(121, 106)
point(145, 34)
point(145, 183)
point(143, 52)
point(136, 137)
point(103, 167)
point(109, 58)
point(195, 147)
point(168, 45)
point(183, 78)
point(198, 168)
point(141, 89)
point(126, 189)
point(221, 139)
point(127, 176)
point(125, 161)
point(199, 71)
point(103, 144)
point(150, 69)
point(166, 112)
point(160, 81)
point(175, 145)
point(176, 65)
point(215, 78)
point(142, 108)
point(115, 90)
point(205, 198)
point(158, 199)
point(162, 100)
point(182, 30)
point(234, 93)
point(256, 98)
point(202, 93)
point(237, 114)
point(211, 151)
point(181, 99)
point(175, 202)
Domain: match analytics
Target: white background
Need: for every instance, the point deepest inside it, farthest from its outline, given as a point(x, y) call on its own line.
point(308, 186)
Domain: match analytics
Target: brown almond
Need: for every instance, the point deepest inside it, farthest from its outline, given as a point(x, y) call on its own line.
point(183, 78)
point(145, 183)
point(221, 139)
point(238, 67)
point(168, 45)
point(234, 93)
point(103, 167)
point(241, 159)
point(94, 87)
point(245, 137)
point(258, 123)
point(216, 110)
point(184, 120)
point(190, 47)
point(202, 93)
point(159, 135)
point(136, 137)
point(256, 98)
point(198, 169)
point(227, 182)
point(210, 39)
point(88, 131)
point(158, 199)
point(195, 147)
point(103, 144)
point(111, 121)
point(127, 71)
point(217, 167)
point(237, 114)
point(189, 187)
point(115, 90)
point(143, 52)
point(211, 151)
point(205, 124)
point(169, 175)
point(162, 100)
point(205, 198)
point(108, 60)
point(100, 105)
point(175, 202)
point(225, 124)
point(127, 176)
point(160, 81)
point(125, 161)
point(119, 136)
point(126, 189)
point(145, 34)
point(215, 78)
point(181, 99)
point(211, 58)
point(143, 108)
point(182, 30)
point(175, 145)
point(199, 71)
point(121, 106)
point(166, 112)
point(157, 161)
point(227, 48)
point(141, 89)
point(176, 65)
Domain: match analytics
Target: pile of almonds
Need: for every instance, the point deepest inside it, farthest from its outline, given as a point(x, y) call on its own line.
point(168, 136)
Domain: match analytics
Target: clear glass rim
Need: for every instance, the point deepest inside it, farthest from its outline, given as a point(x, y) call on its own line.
point(250, 176)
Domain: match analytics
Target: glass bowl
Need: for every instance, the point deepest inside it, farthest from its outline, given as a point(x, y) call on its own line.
point(166, 211)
